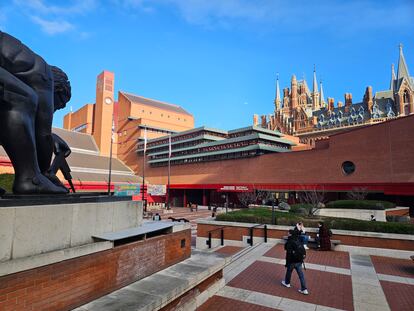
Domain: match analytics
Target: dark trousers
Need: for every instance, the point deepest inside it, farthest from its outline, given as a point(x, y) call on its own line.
point(298, 268)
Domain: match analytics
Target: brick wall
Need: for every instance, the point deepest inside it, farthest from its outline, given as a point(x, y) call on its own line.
point(236, 234)
point(68, 284)
point(379, 153)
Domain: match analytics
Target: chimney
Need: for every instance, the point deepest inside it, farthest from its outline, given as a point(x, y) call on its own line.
point(264, 121)
point(348, 101)
point(255, 120)
point(340, 104)
point(368, 98)
point(331, 103)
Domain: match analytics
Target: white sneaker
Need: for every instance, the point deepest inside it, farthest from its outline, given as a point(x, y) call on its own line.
point(305, 247)
point(305, 291)
point(285, 285)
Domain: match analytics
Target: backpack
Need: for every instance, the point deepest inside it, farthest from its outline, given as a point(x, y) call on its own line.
point(297, 251)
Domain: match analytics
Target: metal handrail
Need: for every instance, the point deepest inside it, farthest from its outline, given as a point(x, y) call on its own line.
point(208, 242)
point(250, 240)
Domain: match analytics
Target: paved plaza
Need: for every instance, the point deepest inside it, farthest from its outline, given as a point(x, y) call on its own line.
point(336, 281)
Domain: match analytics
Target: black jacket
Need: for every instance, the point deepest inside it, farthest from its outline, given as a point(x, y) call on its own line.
point(289, 246)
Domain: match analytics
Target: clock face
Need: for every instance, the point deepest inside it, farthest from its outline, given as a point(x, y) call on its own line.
point(108, 100)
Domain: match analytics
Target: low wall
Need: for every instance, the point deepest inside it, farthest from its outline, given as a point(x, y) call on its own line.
point(398, 211)
point(362, 214)
point(74, 282)
point(32, 230)
point(237, 234)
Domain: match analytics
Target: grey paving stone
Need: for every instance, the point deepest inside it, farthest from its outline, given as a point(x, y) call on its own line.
point(124, 300)
point(234, 293)
point(264, 300)
point(164, 286)
point(294, 305)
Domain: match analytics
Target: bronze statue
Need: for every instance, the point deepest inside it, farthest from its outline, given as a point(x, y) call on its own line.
point(30, 92)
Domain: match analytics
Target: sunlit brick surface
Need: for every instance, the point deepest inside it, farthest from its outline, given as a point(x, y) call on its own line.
point(326, 289)
point(400, 297)
point(333, 259)
point(393, 266)
point(216, 303)
point(229, 250)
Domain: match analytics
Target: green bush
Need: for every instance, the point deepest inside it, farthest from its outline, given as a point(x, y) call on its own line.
point(6, 182)
point(360, 204)
point(264, 216)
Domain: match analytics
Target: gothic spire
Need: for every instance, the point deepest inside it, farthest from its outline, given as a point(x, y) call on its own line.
point(402, 67)
point(393, 78)
point(277, 100)
point(315, 82)
point(321, 97)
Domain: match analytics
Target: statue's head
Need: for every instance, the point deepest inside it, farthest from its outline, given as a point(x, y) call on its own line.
point(62, 91)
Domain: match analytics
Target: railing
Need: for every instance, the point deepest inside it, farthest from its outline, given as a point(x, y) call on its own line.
point(250, 239)
point(208, 242)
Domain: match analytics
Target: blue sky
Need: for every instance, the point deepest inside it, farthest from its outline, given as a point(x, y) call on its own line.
point(216, 58)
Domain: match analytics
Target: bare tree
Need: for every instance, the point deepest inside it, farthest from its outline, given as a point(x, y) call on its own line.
point(313, 199)
point(247, 198)
point(358, 193)
point(263, 195)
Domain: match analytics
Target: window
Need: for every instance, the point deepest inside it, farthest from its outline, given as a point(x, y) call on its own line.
point(348, 167)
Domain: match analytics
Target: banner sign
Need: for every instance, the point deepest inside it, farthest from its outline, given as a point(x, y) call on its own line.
point(126, 189)
point(157, 189)
point(234, 189)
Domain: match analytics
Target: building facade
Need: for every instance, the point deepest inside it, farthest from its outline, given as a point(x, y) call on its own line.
point(305, 113)
point(205, 144)
point(128, 116)
point(383, 165)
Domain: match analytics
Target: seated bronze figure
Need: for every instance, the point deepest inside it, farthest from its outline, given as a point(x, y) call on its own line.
point(30, 92)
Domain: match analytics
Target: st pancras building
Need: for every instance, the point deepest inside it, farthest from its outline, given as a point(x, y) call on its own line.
point(308, 115)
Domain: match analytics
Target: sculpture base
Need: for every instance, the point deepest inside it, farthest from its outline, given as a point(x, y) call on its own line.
point(9, 200)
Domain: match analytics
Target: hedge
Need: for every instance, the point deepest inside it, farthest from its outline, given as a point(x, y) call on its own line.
point(264, 216)
point(360, 204)
point(6, 182)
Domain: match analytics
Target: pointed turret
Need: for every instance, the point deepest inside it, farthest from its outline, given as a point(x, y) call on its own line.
point(315, 93)
point(277, 99)
point(402, 69)
point(315, 82)
point(321, 97)
point(393, 78)
point(294, 93)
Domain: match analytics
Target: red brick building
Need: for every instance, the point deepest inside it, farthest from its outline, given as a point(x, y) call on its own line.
point(379, 158)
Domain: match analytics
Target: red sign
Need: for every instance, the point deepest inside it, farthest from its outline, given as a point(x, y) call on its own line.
point(233, 188)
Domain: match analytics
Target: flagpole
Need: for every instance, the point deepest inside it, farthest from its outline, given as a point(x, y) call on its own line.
point(169, 173)
point(143, 169)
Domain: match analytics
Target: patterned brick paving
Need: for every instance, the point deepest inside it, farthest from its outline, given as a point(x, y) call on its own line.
point(400, 297)
point(333, 259)
point(393, 266)
point(216, 303)
point(327, 289)
point(229, 250)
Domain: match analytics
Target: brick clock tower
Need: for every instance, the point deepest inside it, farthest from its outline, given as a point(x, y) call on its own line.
point(104, 109)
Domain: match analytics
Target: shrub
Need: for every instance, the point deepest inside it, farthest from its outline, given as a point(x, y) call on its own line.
point(264, 216)
point(360, 204)
point(6, 182)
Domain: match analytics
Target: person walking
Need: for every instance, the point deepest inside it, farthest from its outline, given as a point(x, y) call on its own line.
point(295, 255)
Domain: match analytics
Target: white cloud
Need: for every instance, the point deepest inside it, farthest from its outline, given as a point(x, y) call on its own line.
point(298, 16)
point(52, 27)
point(41, 7)
point(54, 19)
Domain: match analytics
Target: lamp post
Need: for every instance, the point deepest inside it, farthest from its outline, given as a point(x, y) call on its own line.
point(109, 101)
